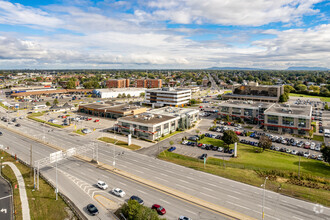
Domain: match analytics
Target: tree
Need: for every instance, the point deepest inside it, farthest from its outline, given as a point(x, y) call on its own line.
point(326, 153)
point(193, 101)
point(128, 96)
point(283, 98)
point(227, 117)
point(326, 107)
point(301, 87)
point(288, 89)
point(119, 96)
point(48, 104)
point(70, 84)
point(123, 95)
point(265, 142)
point(142, 94)
point(171, 143)
point(55, 102)
point(230, 137)
point(132, 210)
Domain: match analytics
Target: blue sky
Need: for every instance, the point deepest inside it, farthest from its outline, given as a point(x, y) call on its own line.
point(164, 34)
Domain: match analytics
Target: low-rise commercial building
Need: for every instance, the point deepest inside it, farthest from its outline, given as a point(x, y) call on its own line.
point(113, 93)
point(157, 123)
point(259, 93)
point(111, 110)
point(292, 119)
point(168, 96)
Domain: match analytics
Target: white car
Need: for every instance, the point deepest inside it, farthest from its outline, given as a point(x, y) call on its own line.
point(306, 154)
point(294, 152)
point(184, 218)
point(312, 146)
point(118, 192)
point(102, 185)
point(184, 142)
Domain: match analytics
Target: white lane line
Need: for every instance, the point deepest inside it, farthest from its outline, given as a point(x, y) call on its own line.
point(123, 165)
point(145, 168)
point(141, 191)
point(207, 189)
point(232, 197)
point(164, 201)
point(272, 217)
point(138, 171)
point(190, 212)
point(297, 218)
point(299, 206)
point(237, 192)
point(211, 184)
point(184, 181)
point(209, 195)
point(170, 171)
point(183, 186)
point(190, 177)
point(238, 205)
point(163, 174)
point(160, 179)
point(122, 183)
point(284, 201)
point(265, 207)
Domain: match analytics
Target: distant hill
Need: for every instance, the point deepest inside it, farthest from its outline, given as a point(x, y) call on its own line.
point(233, 68)
point(306, 68)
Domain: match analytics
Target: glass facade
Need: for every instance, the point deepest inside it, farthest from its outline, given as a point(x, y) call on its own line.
point(236, 111)
point(248, 112)
point(225, 109)
point(272, 119)
point(302, 122)
point(288, 121)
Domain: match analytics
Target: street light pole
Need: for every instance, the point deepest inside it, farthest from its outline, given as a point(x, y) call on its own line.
point(263, 198)
point(56, 181)
point(1, 166)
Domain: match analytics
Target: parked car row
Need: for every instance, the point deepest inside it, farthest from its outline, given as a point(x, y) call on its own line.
point(208, 147)
point(298, 153)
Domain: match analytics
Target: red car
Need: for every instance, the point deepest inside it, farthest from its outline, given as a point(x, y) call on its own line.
point(97, 120)
point(89, 119)
point(64, 116)
point(200, 144)
point(160, 210)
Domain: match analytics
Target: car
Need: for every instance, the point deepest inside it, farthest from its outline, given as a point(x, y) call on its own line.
point(220, 149)
point(1, 133)
point(86, 131)
point(97, 120)
point(294, 152)
point(199, 145)
point(118, 192)
point(160, 210)
point(138, 199)
point(307, 145)
point(318, 147)
point(320, 157)
point(184, 218)
point(203, 156)
point(306, 154)
point(171, 149)
point(288, 150)
point(313, 156)
point(215, 148)
point(88, 119)
point(231, 151)
point(102, 185)
point(92, 209)
point(184, 142)
point(18, 125)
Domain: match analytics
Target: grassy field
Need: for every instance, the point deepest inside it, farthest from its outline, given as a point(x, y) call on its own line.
point(251, 168)
point(79, 132)
point(169, 135)
point(213, 141)
point(120, 143)
point(318, 138)
point(42, 203)
point(324, 99)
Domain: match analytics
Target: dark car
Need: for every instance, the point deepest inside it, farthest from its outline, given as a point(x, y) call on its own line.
point(203, 156)
point(215, 148)
point(160, 210)
point(18, 125)
point(193, 144)
point(138, 199)
point(171, 149)
point(92, 209)
point(231, 151)
point(1, 133)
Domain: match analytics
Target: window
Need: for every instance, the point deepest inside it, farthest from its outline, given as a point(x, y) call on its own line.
point(248, 112)
point(271, 128)
point(125, 124)
point(144, 128)
point(236, 111)
point(302, 122)
point(288, 121)
point(225, 109)
point(301, 132)
point(272, 119)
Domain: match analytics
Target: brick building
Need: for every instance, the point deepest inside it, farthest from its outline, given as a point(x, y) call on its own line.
point(117, 83)
point(148, 83)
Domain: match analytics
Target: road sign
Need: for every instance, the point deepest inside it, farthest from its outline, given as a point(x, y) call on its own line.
point(57, 156)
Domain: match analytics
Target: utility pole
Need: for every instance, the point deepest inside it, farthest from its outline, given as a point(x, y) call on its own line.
point(31, 160)
point(263, 198)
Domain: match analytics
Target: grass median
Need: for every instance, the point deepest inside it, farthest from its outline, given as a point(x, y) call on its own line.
point(318, 138)
point(119, 143)
point(38, 114)
point(42, 203)
point(252, 168)
point(79, 131)
point(169, 135)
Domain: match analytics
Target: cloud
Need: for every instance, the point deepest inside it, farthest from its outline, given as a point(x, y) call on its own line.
point(233, 12)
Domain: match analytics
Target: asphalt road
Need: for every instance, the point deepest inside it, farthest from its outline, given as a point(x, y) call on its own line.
point(234, 195)
point(5, 200)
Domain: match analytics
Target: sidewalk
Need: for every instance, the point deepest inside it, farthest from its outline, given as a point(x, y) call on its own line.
point(22, 191)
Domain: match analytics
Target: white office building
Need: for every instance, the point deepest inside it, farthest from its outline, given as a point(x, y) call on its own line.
point(168, 96)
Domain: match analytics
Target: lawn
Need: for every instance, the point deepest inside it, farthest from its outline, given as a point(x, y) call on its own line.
point(318, 138)
point(38, 114)
point(169, 135)
point(119, 143)
point(324, 99)
point(251, 168)
point(42, 203)
point(213, 141)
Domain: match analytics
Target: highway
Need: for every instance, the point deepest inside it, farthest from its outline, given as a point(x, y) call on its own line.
point(230, 194)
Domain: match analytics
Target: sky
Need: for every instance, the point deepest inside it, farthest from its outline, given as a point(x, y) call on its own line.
point(164, 34)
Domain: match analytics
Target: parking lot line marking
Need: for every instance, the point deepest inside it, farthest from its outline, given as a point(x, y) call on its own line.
point(208, 195)
point(238, 205)
point(232, 197)
point(160, 179)
point(141, 191)
point(164, 201)
point(183, 186)
point(272, 217)
point(190, 212)
point(207, 189)
point(145, 168)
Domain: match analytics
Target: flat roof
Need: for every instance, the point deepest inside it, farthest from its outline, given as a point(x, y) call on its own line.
point(50, 92)
point(247, 104)
point(168, 89)
point(113, 107)
point(120, 89)
point(174, 111)
point(250, 96)
point(293, 110)
point(147, 118)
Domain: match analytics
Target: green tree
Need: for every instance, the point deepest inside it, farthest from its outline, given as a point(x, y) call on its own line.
point(265, 142)
point(119, 96)
point(70, 84)
point(227, 117)
point(171, 143)
point(230, 137)
point(128, 96)
point(142, 94)
point(283, 98)
point(326, 153)
point(55, 102)
point(301, 87)
point(288, 89)
point(38, 79)
point(48, 104)
point(132, 210)
point(326, 107)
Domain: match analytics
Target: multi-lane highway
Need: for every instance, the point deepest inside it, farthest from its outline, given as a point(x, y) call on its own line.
point(233, 195)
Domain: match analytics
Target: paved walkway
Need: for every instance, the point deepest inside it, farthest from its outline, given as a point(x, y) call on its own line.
point(22, 191)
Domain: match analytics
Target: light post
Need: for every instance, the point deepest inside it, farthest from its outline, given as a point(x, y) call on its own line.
point(56, 190)
point(1, 167)
point(263, 198)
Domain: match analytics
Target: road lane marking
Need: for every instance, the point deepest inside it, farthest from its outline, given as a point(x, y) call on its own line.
point(190, 177)
point(238, 205)
point(138, 171)
point(184, 181)
point(211, 184)
point(207, 189)
point(209, 195)
point(123, 165)
point(141, 191)
point(265, 207)
point(183, 186)
point(297, 218)
point(145, 168)
point(190, 212)
point(237, 192)
point(163, 174)
point(272, 217)
point(299, 206)
point(122, 183)
point(164, 201)
point(232, 197)
point(160, 179)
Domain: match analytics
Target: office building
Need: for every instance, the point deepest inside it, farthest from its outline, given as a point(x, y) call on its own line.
point(168, 96)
